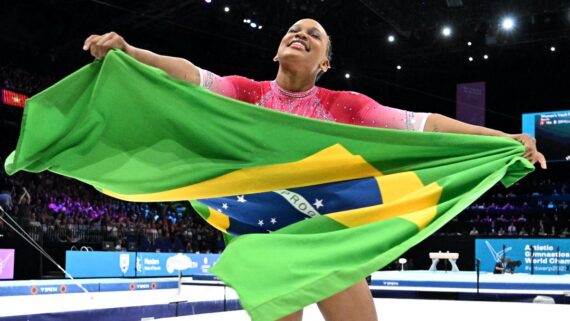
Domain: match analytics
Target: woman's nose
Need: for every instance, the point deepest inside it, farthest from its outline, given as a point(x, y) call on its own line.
point(301, 35)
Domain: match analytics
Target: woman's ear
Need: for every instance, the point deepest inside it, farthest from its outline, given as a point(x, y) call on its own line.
point(325, 65)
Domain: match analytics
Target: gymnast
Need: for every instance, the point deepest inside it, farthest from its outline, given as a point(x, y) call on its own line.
point(304, 55)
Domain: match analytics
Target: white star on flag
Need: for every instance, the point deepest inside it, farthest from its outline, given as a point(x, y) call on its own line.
point(318, 203)
point(241, 199)
point(225, 206)
point(260, 222)
point(273, 220)
point(219, 210)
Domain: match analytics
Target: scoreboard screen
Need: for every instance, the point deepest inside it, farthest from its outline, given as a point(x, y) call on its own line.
point(552, 132)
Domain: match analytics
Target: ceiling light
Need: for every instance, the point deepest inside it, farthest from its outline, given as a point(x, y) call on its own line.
point(508, 23)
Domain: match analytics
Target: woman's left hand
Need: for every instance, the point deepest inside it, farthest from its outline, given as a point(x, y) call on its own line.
point(530, 153)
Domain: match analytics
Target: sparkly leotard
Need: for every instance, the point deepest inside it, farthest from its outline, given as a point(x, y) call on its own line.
point(320, 103)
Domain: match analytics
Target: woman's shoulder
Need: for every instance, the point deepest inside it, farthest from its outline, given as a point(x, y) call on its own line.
point(246, 83)
point(345, 97)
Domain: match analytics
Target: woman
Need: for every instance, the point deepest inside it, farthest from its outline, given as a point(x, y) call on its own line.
point(304, 55)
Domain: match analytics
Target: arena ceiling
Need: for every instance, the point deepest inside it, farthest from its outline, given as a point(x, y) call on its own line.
point(46, 37)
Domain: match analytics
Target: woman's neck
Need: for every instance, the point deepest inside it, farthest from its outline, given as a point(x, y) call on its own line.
point(291, 80)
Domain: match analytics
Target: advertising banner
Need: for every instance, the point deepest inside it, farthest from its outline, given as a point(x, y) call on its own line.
point(539, 256)
point(85, 264)
point(96, 264)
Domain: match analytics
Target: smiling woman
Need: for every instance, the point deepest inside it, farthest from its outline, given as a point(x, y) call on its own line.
point(304, 54)
point(305, 49)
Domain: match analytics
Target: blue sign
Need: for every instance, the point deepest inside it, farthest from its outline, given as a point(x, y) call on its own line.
point(94, 264)
point(168, 264)
point(545, 256)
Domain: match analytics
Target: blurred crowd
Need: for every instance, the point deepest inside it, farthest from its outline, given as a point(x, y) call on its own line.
point(21, 81)
point(532, 207)
point(53, 208)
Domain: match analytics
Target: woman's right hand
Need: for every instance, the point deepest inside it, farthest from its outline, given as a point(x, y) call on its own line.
point(179, 68)
point(99, 45)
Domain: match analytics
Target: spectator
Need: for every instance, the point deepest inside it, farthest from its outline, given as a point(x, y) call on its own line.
point(5, 194)
point(501, 232)
point(474, 231)
point(512, 229)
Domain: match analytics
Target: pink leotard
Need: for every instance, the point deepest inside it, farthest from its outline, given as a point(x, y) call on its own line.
point(320, 103)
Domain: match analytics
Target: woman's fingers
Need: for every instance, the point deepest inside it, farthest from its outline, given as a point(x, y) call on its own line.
point(527, 155)
point(99, 45)
point(88, 41)
point(541, 160)
point(531, 152)
point(101, 50)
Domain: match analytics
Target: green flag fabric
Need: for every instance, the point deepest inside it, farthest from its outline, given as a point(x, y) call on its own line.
point(134, 133)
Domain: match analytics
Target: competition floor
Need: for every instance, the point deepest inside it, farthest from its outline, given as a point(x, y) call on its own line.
point(138, 299)
point(113, 299)
point(414, 309)
point(466, 282)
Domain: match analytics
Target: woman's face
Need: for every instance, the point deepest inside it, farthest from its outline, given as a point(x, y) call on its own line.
point(305, 44)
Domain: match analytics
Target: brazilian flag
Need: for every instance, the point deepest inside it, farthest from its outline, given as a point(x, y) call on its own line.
point(312, 207)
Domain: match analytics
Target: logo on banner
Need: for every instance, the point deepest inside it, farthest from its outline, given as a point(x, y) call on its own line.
point(205, 265)
point(179, 262)
point(497, 255)
point(124, 262)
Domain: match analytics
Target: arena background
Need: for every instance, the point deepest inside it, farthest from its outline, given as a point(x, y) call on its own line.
point(525, 71)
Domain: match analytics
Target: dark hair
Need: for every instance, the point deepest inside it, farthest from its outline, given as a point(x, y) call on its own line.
point(329, 57)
